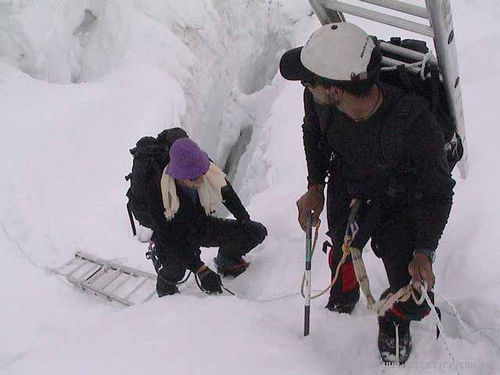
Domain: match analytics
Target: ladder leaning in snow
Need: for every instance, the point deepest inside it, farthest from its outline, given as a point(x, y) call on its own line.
point(438, 25)
point(110, 280)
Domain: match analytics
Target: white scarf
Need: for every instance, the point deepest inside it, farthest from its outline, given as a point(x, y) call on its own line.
point(209, 191)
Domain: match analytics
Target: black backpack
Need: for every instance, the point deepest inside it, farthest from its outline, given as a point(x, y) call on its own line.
point(150, 158)
point(408, 109)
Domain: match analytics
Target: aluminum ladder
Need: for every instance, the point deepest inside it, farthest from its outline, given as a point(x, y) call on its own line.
point(110, 280)
point(437, 24)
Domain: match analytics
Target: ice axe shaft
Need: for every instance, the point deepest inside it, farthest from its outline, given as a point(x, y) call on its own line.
point(307, 275)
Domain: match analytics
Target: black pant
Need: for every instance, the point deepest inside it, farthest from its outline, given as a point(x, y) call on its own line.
point(233, 239)
point(395, 243)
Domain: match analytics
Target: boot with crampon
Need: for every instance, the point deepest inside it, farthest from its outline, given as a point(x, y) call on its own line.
point(394, 341)
point(228, 267)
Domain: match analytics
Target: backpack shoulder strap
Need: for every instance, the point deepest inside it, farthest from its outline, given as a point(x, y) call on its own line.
point(395, 129)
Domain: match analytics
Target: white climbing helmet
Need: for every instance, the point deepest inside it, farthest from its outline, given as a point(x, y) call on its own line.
point(339, 51)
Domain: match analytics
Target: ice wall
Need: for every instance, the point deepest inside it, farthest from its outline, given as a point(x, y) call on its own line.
point(83, 80)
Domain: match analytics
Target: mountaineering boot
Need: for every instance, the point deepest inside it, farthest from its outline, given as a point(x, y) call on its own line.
point(228, 267)
point(343, 303)
point(387, 332)
point(164, 288)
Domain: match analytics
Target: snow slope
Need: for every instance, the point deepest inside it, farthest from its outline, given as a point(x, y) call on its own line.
point(80, 82)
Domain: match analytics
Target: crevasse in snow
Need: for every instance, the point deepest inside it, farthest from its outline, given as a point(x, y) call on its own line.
point(81, 81)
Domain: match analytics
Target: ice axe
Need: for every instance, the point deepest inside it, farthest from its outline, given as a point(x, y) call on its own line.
point(307, 274)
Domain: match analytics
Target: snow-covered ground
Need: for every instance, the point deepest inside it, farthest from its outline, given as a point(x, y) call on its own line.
point(81, 81)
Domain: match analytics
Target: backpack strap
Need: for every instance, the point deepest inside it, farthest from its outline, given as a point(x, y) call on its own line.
point(394, 134)
point(131, 218)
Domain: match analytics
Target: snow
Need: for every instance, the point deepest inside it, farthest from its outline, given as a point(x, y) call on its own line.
point(80, 82)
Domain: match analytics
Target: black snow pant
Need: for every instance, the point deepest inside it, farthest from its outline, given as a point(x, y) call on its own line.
point(394, 242)
point(233, 239)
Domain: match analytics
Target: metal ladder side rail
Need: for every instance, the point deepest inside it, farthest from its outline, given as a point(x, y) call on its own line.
point(442, 22)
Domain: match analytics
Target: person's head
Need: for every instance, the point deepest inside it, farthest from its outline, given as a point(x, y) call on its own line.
point(188, 163)
point(339, 59)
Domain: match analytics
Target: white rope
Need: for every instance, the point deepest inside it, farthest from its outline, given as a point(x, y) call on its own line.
point(342, 261)
point(418, 64)
point(466, 326)
point(428, 56)
point(398, 360)
point(423, 290)
point(361, 275)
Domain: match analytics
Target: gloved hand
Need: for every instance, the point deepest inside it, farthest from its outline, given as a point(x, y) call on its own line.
point(209, 280)
point(313, 200)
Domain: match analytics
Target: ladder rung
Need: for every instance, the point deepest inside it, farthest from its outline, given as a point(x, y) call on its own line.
point(379, 17)
point(97, 275)
point(107, 295)
point(153, 293)
point(111, 280)
point(91, 272)
point(120, 284)
point(405, 52)
point(76, 269)
point(137, 287)
point(115, 266)
point(401, 7)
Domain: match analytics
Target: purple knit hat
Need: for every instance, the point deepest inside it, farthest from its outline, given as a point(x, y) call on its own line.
point(187, 160)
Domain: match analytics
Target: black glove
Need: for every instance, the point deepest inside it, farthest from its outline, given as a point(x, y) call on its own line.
point(210, 281)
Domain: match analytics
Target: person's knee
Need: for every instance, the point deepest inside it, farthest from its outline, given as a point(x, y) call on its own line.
point(256, 232)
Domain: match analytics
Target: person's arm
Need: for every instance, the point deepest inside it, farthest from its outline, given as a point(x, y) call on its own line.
point(317, 157)
point(431, 191)
point(317, 164)
point(233, 203)
point(430, 195)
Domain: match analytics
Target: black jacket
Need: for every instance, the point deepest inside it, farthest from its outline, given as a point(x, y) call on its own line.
point(179, 234)
point(353, 155)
